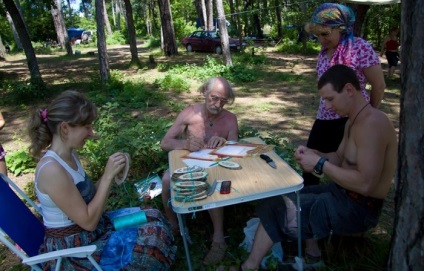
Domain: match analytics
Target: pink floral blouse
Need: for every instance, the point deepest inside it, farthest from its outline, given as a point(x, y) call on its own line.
point(362, 56)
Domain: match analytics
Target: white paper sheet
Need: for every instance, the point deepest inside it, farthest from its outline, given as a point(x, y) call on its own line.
point(234, 150)
point(200, 163)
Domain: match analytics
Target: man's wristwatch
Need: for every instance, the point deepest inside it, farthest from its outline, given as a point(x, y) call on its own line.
point(319, 166)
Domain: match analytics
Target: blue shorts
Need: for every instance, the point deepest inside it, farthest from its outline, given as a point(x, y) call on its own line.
point(324, 209)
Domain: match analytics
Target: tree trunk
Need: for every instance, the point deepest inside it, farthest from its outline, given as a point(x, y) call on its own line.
point(118, 14)
point(15, 33)
point(131, 33)
point(169, 43)
point(209, 15)
point(101, 42)
point(360, 13)
point(408, 237)
point(2, 50)
point(71, 19)
point(224, 34)
point(279, 19)
point(106, 19)
point(199, 10)
point(59, 24)
point(22, 30)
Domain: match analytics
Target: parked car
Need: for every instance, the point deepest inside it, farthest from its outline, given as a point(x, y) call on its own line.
point(75, 34)
point(209, 41)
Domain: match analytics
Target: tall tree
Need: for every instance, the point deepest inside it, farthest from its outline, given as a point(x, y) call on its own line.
point(15, 33)
point(168, 33)
point(2, 50)
point(106, 19)
point(408, 238)
point(360, 13)
point(131, 33)
point(209, 15)
point(59, 24)
point(101, 42)
point(201, 12)
point(22, 30)
point(224, 34)
point(279, 19)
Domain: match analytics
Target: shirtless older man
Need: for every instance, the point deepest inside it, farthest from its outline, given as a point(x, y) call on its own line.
point(361, 169)
point(198, 126)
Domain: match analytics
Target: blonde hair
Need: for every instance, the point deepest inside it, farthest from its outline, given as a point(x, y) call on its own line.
point(70, 106)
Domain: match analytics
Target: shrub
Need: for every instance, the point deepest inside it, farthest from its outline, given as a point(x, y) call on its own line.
point(20, 162)
point(117, 131)
point(172, 82)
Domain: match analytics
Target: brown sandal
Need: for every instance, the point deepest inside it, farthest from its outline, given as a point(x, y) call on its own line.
point(216, 253)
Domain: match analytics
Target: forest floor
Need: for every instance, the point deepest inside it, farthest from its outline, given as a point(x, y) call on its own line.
point(266, 104)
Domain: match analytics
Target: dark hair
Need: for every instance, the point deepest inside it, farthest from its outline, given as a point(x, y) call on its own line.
point(207, 87)
point(338, 76)
point(70, 106)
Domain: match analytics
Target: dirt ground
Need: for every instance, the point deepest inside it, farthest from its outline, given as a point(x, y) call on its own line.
point(268, 105)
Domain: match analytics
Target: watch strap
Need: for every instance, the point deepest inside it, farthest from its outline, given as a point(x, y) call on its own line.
point(318, 169)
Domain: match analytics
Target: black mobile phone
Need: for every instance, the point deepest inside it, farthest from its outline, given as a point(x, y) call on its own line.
point(225, 187)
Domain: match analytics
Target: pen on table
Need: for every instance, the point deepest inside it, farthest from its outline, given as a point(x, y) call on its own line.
point(223, 159)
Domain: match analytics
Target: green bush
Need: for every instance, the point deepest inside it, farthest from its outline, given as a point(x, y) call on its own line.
point(172, 82)
point(291, 47)
point(27, 92)
point(20, 162)
point(118, 131)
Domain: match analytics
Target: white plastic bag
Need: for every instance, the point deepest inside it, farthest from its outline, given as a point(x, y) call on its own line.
point(249, 232)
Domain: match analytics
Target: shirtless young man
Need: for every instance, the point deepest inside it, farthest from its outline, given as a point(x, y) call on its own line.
point(198, 126)
point(361, 169)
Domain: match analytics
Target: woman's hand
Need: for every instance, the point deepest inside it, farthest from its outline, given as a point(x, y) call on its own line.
point(115, 165)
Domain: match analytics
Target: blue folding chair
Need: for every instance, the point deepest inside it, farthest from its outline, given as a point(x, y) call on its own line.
point(21, 227)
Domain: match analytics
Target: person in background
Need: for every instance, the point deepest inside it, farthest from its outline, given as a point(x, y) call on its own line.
point(390, 47)
point(332, 24)
point(73, 206)
point(361, 171)
point(198, 126)
point(3, 167)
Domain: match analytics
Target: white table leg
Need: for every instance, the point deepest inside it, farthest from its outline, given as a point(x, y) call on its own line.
point(184, 234)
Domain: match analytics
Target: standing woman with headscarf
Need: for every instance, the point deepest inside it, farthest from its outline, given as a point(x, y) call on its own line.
point(332, 24)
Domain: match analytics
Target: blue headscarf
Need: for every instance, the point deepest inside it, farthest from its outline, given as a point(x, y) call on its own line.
point(337, 15)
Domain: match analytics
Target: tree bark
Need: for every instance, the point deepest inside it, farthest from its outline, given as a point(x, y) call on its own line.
point(279, 19)
point(118, 14)
point(131, 33)
point(169, 43)
point(209, 15)
point(59, 24)
point(22, 30)
point(360, 13)
point(106, 19)
point(101, 43)
point(224, 34)
point(408, 237)
point(15, 33)
point(201, 12)
point(2, 50)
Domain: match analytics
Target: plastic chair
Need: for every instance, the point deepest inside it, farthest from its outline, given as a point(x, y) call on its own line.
point(24, 229)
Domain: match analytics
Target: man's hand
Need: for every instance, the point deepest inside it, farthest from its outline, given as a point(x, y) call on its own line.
point(307, 158)
point(215, 142)
point(194, 144)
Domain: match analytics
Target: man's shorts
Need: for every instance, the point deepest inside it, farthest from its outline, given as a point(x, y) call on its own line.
point(324, 209)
